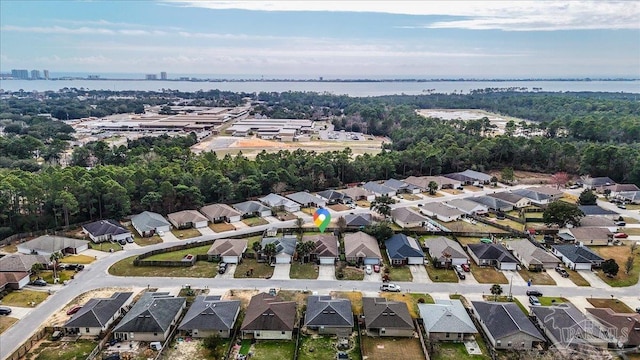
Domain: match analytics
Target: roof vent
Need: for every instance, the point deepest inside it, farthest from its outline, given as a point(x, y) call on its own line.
point(384, 314)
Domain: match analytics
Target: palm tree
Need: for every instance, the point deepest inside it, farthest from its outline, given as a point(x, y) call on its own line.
point(304, 249)
point(433, 187)
point(269, 250)
point(496, 290)
point(300, 226)
point(54, 258)
point(256, 247)
point(381, 205)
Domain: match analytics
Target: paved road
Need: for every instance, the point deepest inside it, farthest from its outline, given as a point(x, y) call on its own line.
point(96, 276)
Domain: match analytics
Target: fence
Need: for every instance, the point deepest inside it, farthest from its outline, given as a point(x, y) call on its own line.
point(419, 329)
point(22, 351)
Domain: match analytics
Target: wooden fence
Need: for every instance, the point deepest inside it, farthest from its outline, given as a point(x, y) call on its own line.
point(22, 351)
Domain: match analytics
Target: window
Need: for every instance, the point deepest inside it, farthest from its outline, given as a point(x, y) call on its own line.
point(86, 329)
point(283, 333)
point(155, 334)
point(509, 344)
point(446, 335)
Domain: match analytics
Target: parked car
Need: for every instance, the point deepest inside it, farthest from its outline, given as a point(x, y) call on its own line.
point(533, 300)
point(122, 242)
point(562, 271)
point(57, 335)
point(533, 293)
point(113, 341)
point(620, 235)
point(130, 240)
point(638, 310)
point(390, 288)
point(376, 268)
point(222, 268)
point(74, 310)
point(575, 186)
point(368, 270)
point(5, 310)
point(76, 267)
point(621, 223)
point(39, 282)
point(459, 272)
point(465, 267)
point(622, 206)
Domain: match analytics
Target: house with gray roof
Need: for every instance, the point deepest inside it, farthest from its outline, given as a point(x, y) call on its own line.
point(268, 317)
point(218, 213)
point(595, 210)
point(535, 197)
point(577, 257)
point(407, 218)
point(188, 219)
point(49, 244)
point(467, 206)
point(210, 316)
point(358, 221)
point(151, 318)
point(357, 193)
point(492, 203)
point(148, 223)
point(632, 197)
point(494, 255)
point(445, 252)
point(285, 247)
point(441, 211)
point(280, 202)
point(567, 327)
point(383, 317)
point(362, 248)
point(403, 250)
point(533, 256)
point(518, 201)
point(594, 182)
point(379, 189)
point(21, 262)
point(446, 320)
point(227, 250)
point(332, 197)
point(307, 200)
point(470, 177)
point(252, 208)
point(106, 230)
point(597, 221)
point(442, 182)
point(95, 317)
point(329, 316)
point(506, 326)
point(402, 187)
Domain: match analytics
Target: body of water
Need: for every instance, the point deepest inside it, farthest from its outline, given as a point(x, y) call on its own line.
point(337, 88)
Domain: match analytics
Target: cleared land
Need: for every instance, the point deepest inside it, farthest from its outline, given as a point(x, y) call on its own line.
point(537, 277)
point(620, 254)
point(221, 227)
point(376, 348)
point(77, 259)
point(6, 322)
point(62, 350)
point(125, 267)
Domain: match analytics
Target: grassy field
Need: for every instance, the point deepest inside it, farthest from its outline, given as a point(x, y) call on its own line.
point(351, 273)
point(24, 298)
point(146, 241)
point(537, 277)
point(411, 197)
point(303, 271)
point(620, 255)
point(507, 222)
point(273, 350)
point(354, 296)
point(9, 249)
point(412, 300)
point(441, 275)
point(251, 241)
point(124, 267)
point(186, 233)
point(179, 254)
point(487, 275)
point(59, 350)
point(457, 351)
point(316, 348)
point(549, 300)
point(6, 322)
point(613, 304)
point(260, 270)
point(631, 231)
point(77, 259)
point(468, 240)
point(577, 278)
point(397, 273)
point(106, 246)
point(390, 348)
point(221, 227)
point(255, 221)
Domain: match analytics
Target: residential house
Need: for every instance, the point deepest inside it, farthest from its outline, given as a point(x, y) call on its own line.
point(22, 263)
point(379, 189)
point(577, 257)
point(446, 320)
point(151, 318)
point(492, 203)
point(517, 201)
point(423, 182)
point(329, 316)
point(596, 182)
point(467, 206)
point(148, 223)
point(540, 195)
point(402, 187)
point(358, 193)
point(595, 221)
point(307, 200)
point(383, 317)
point(403, 250)
point(631, 197)
point(588, 235)
point(618, 188)
point(358, 221)
point(188, 219)
point(95, 317)
point(533, 256)
point(252, 208)
point(227, 250)
point(567, 327)
point(506, 326)
point(210, 316)
point(285, 247)
point(106, 230)
point(470, 177)
point(407, 218)
point(218, 213)
point(494, 255)
point(326, 251)
point(623, 326)
point(269, 318)
point(595, 210)
point(441, 212)
point(15, 280)
point(276, 201)
point(332, 197)
point(445, 252)
point(49, 244)
point(362, 248)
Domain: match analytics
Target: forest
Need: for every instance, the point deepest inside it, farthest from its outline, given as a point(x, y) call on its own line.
point(161, 174)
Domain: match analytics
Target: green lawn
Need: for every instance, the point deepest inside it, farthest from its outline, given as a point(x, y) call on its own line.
point(77, 259)
point(620, 255)
point(457, 351)
point(260, 270)
point(255, 221)
point(613, 304)
point(303, 271)
point(250, 242)
point(397, 273)
point(125, 267)
point(549, 300)
point(106, 246)
point(63, 350)
point(316, 347)
point(487, 275)
point(273, 350)
point(146, 241)
point(64, 275)
point(577, 278)
point(441, 275)
point(179, 254)
point(186, 233)
point(24, 298)
point(245, 347)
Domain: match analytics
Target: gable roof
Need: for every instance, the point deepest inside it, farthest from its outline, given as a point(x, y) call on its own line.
point(400, 246)
point(286, 244)
point(21, 262)
point(629, 195)
point(12, 277)
point(530, 194)
point(324, 311)
point(356, 192)
point(491, 202)
point(446, 316)
point(266, 312)
point(423, 181)
point(578, 254)
point(274, 200)
point(442, 209)
point(565, 319)
point(466, 206)
point(376, 188)
point(304, 198)
point(326, 244)
point(186, 216)
point(210, 313)
point(407, 215)
point(596, 210)
point(215, 211)
point(248, 207)
point(492, 252)
point(383, 313)
point(147, 221)
point(547, 190)
point(511, 198)
point(333, 195)
point(98, 311)
point(505, 319)
point(153, 312)
point(627, 325)
point(105, 227)
point(598, 181)
point(228, 247)
point(360, 244)
point(357, 220)
point(595, 220)
point(399, 185)
point(589, 233)
point(52, 244)
point(533, 254)
point(440, 246)
point(616, 188)
point(469, 175)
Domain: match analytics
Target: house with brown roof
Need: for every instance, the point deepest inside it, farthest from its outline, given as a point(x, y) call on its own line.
point(21, 262)
point(588, 235)
point(624, 326)
point(445, 252)
point(326, 250)
point(217, 213)
point(407, 218)
point(518, 201)
point(269, 318)
point(358, 193)
point(362, 248)
point(227, 250)
point(533, 257)
point(13, 280)
point(187, 219)
point(441, 212)
point(615, 189)
point(423, 182)
point(383, 317)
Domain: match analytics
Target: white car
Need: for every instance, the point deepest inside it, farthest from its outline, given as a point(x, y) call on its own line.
point(368, 269)
point(390, 288)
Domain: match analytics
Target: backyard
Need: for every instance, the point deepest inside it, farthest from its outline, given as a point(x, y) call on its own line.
point(24, 298)
point(125, 267)
point(620, 255)
point(303, 271)
point(487, 275)
point(186, 233)
point(465, 226)
point(254, 269)
point(457, 351)
point(316, 347)
point(255, 221)
point(62, 350)
point(613, 304)
point(380, 348)
point(273, 350)
point(536, 277)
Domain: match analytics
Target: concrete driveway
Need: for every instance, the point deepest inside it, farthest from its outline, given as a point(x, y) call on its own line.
point(206, 231)
point(281, 272)
point(593, 279)
point(560, 281)
point(373, 277)
point(18, 312)
point(419, 273)
point(169, 237)
point(513, 277)
point(231, 269)
point(469, 279)
point(326, 272)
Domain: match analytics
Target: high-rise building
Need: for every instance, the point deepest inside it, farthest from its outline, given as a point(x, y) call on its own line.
point(163, 75)
point(20, 74)
point(35, 74)
point(151, 77)
point(45, 74)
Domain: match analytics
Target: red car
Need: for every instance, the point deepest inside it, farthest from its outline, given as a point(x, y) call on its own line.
point(620, 236)
point(376, 268)
point(74, 310)
point(465, 267)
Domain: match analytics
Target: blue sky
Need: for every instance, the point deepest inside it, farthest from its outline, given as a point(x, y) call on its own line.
point(426, 39)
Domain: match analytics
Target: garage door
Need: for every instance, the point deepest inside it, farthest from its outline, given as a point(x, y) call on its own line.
point(415, 261)
point(283, 259)
point(371, 261)
point(230, 259)
point(327, 261)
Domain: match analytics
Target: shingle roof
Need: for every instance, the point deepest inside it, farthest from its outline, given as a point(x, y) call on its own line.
point(250, 207)
point(266, 312)
point(333, 195)
point(578, 254)
point(441, 209)
point(400, 246)
point(441, 245)
point(509, 197)
point(530, 194)
point(304, 198)
point(597, 181)
point(326, 244)
point(228, 247)
point(567, 324)
point(491, 202)
point(147, 221)
point(399, 185)
point(547, 190)
point(622, 187)
point(596, 210)
point(51, 244)
point(210, 313)
point(629, 195)
point(423, 181)
point(627, 325)
point(465, 205)
point(12, 277)
point(476, 175)
point(361, 245)
point(325, 311)
point(407, 215)
point(383, 313)
point(533, 254)
point(492, 252)
point(357, 220)
point(590, 233)
point(186, 216)
point(285, 244)
point(105, 227)
point(98, 311)
point(356, 192)
point(595, 220)
point(215, 211)
point(274, 200)
point(505, 319)
point(154, 312)
point(376, 188)
point(446, 316)
point(21, 262)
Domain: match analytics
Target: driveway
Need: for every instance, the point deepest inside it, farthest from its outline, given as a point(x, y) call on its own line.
point(169, 237)
point(19, 312)
point(206, 231)
point(560, 281)
point(327, 272)
point(231, 269)
point(593, 279)
point(373, 277)
point(419, 273)
point(469, 279)
point(281, 272)
point(514, 278)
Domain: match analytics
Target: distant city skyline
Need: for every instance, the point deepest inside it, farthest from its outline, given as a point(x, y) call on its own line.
point(329, 39)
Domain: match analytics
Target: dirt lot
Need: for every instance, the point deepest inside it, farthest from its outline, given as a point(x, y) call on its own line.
point(526, 177)
point(338, 207)
point(391, 348)
point(258, 143)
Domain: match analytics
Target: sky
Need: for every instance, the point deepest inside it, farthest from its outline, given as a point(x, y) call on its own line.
point(330, 39)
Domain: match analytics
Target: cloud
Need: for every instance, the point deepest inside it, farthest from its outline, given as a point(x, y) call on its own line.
point(478, 15)
point(80, 30)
